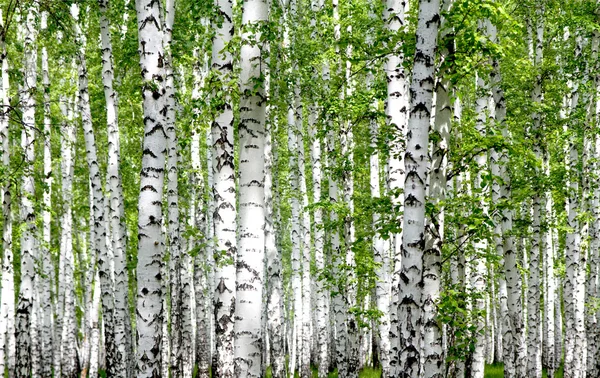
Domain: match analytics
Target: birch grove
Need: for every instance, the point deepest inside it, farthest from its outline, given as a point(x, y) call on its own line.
point(300, 187)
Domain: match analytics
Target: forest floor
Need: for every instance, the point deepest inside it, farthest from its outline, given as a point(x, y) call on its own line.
point(497, 371)
point(491, 371)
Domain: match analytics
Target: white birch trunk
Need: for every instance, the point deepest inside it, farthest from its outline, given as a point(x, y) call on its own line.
point(549, 304)
point(503, 240)
point(293, 148)
point(68, 344)
point(44, 284)
point(115, 364)
point(201, 287)
point(250, 265)
point(592, 293)
point(274, 276)
point(7, 308)
point(198, 219)
point(150, 311)
point(480, 245)
point(347, 154)
point(321, 311)
point(224, 192)
point(416, 165)
point(338, 306)
point(321, 316)
point(459, 277)
point(574, 260)
point(558, 319)
point(433, 365)
point(95, 328)
point(534, 345)
point(397, 116)
point(29, 243)
point(380, 258)
point(122, 320)
point(305, 371)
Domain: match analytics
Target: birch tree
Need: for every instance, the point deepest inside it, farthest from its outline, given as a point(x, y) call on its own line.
point(416, 164)
point(250, 266)
point(115, 192)
point(397, 103)
point(29, 240)
point(7, 307)
point(150, 311)
point(224, 202)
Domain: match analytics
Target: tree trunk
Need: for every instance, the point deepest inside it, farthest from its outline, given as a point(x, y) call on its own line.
point(224, 197)
point(274, 276)
point(574, 259)
point(396, 109)
point(28, 214)
point(198, 219)
point(122, 320)
point(416, 165)
point(7, 308)
point(150, 311)
point(432, 259)
point(250, 265)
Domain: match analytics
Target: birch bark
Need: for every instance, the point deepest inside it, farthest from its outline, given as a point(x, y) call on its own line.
point(116, 214)
point(224, 197)
point(396, 108)
point(115, 364)
point(150, 311)
point(7, 309)
point(250, 265)
point(432, 258)
point(47, 266)
point(534, 347)
point(416, 165)
point(68, 342)
point(574, 259)
point(275, 316)
point(28, 215)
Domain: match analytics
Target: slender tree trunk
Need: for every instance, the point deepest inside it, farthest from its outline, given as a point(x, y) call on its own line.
point(116, 366)
point(150, 311)
point(416, 165)
point(380, 256)
point(68, 347)
point(44, 283)
point(250, 266)
point(534, 346)
point(305, 348)
point(574, 259)
point(483, 109)
point(198, 219)
point(593, 335)
point(503, 238)
point(224, 192)
point(28, 214)
point(459, 274)
point(347, 156)
point(95, 328)
point(293, 147)
point(122, 320)
point(320, 322)
point(274, 276)
point(7, 308)
point(549, 304)
point(396, 109)
point(338, 305)
point(432, 259)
